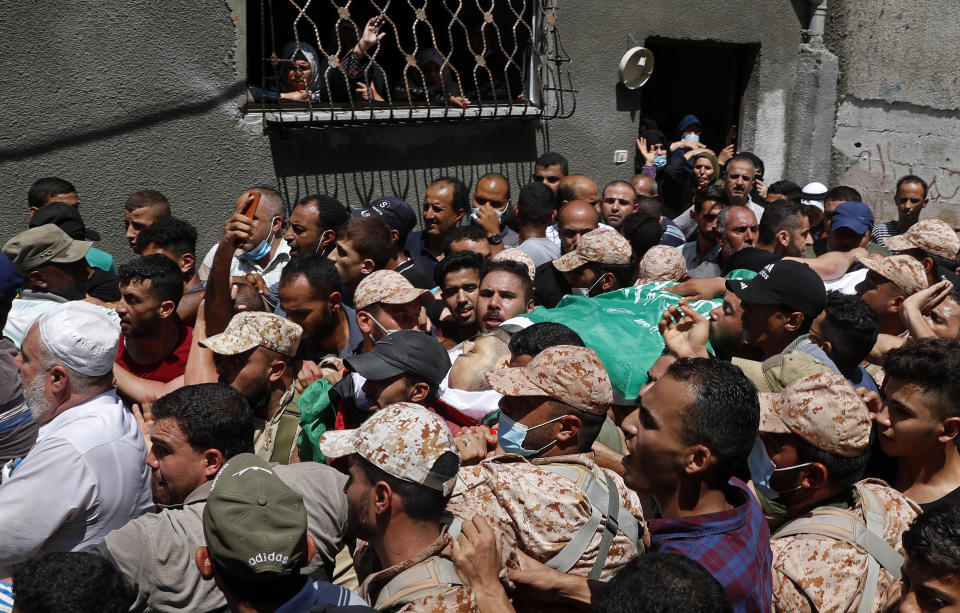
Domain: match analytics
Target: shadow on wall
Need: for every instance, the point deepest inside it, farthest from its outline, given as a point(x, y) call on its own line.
point(137, 120)
point(356, 165)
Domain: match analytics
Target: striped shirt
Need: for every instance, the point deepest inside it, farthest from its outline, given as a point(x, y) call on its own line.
point(883, 231)
point(6, 597)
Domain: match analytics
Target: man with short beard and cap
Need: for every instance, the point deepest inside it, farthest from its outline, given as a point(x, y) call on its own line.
point(889, 282)
point(54, 271)
point(837, 547)
point(542, 491)
point(256, 542)
point(600, 263)
point(85, 476)
point(573, 221)
point(402, 470)
point(255, 356)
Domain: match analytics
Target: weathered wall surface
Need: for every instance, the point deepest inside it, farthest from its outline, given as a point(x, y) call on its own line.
point(899, 103)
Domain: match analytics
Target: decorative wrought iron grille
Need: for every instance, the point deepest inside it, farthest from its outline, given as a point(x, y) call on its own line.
point(436, 60)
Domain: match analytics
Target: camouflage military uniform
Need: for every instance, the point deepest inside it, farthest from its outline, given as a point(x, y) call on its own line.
point(662, 263)
point(816, 572)
point(458, 599)
point(830, 573)
point(539, 511)
point(276, 440)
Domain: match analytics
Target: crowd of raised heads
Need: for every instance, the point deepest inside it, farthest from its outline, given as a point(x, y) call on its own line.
point(693, 389)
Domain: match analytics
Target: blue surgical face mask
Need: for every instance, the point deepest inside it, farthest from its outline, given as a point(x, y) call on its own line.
point(258, 252)
point(511, 434)
point(692, 136)
point(660, 161)
point(762, 469)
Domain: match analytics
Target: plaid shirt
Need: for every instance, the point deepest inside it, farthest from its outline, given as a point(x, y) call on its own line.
point(733, 545)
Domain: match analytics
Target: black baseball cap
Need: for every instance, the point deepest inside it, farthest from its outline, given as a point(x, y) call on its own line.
point(67, 218)
point(408, 352)
point(396, 212)
point(785, 282)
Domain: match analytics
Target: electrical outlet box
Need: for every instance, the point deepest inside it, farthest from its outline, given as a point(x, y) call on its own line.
point(620, 156)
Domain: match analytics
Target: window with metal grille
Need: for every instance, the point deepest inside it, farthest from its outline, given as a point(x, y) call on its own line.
point(309, 62)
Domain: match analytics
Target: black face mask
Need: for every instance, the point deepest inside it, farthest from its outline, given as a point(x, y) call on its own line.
point(509, 220)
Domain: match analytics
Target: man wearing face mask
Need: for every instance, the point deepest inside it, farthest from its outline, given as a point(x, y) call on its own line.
point(551, 412)
point(837, 547)
point(493, 208)
point(599, 264)
point(264, 252)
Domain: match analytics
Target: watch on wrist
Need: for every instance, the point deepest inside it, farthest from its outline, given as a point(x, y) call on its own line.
point(495, 239)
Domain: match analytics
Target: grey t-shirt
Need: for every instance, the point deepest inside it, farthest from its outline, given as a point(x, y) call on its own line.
point(541, 250)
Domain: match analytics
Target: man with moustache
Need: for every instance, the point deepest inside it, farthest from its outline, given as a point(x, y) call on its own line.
point(458, 276)
point(574, 220)
point(313, 224)
point(88, 444)
point(505, 292)
point(444, 205)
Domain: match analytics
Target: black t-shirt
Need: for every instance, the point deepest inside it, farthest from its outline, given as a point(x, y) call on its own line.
point(549, 286)
point(951, 499)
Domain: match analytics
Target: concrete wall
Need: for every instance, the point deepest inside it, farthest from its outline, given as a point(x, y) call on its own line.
point(120, 96)
point(899, 98)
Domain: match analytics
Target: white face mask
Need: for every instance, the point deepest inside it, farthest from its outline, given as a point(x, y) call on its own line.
point(585, 291)
point(386, 332)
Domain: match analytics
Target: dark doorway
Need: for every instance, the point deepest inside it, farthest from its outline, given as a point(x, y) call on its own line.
point(704, 78)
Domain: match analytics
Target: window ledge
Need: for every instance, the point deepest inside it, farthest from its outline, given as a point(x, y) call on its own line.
point(366, 115)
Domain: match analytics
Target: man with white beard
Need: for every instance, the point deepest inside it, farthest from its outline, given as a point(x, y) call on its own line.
point(86, 474)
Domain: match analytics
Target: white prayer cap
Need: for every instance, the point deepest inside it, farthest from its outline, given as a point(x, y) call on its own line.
point(81, 335)
point(813, 194)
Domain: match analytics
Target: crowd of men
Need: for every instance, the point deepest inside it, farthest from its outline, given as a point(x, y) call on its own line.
point(333, 410)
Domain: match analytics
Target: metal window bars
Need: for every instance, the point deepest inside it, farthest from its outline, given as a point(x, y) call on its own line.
point(438, 60)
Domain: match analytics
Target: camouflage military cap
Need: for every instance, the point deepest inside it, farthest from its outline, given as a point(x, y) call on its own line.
point(602, 246)
point(932, 235)
point(404, 440)
point(249, 329)
point(516, 255)
point(823, 410)
point(902, 270)
point(662, 263)
point(572, 375)
point(777, 372)
point(388, 287)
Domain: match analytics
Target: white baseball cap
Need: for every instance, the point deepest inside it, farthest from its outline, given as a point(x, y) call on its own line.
point(83, 336)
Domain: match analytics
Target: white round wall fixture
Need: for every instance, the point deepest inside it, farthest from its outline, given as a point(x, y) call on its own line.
point(636, 66)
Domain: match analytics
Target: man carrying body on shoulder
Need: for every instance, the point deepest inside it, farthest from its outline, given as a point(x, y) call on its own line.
point(255, 356)
point(599, 264)
point(889, 281)
point(195, 430)
point(54, 271)
point(838, 540)
point(402, 470)
point(256, 542)
point(154, 343)
point(177, 239)
point(933, 243)
point(88, 442)
point(543, 484)
point(444, 205)
point(920, 420)
point(313, 225)
point(142, 209)
point(401, 219)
